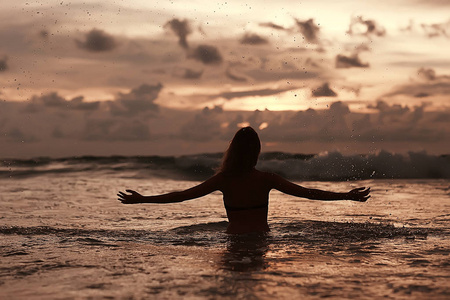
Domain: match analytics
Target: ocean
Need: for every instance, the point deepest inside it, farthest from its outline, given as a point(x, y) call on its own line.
point(64, 235)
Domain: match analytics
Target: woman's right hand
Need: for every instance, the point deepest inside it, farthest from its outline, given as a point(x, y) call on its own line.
point(359, 194)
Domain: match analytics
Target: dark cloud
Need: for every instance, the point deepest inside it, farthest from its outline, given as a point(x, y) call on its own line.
point(187, 73)
point(427, 74)
point(50, 100)
point(53, 99)
point(391, 113)
point(362, 47)
point(421, 89)
point(437, 29)
point(209, 55)
point(343, 61)
point(230, 74)
point(272, 25)
point(78, 103)
point(205, 126)
point(309, 30)
point(3, 64)
point(97, 41)
point(360, 26)
point(261, 92)
point(182, 29)
point(396, 113)
point(426, 83)
point(140, 99)
point(324, 91)
point(390, 124)
point(421, 95)
point(253, 39)
point(272, 75)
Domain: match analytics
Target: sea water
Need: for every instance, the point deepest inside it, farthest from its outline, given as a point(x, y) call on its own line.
point(63, 234)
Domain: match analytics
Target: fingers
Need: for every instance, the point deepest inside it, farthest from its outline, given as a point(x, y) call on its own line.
point(364, 199)
point(361, 194)
point(131, 198)
point(366, 192)
point(362, 190)
point(122, 197)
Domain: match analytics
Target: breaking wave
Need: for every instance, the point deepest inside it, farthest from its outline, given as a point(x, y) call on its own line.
point(322, 167)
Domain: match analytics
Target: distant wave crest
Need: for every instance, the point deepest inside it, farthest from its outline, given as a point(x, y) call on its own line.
point(322, 167)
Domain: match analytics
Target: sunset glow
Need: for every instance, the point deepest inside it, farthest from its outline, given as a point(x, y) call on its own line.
point(164, 66)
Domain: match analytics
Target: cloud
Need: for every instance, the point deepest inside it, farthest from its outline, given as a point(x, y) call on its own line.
point(437, 29)
point(50, 100)
point(182, 29)
point(425, 84)
point(343, 61)
point(78, 103)
point(97, 41)
point(140, 99)
point(208, 55)
point(309, 30)
point(187, 73)
point(115, 130)
point(427, 74)
point(253, 39)
point(387, 109)
point(3, 64)
point(324, 91)
point(54, 100)
point(250, 93)
point(272, 25)
point(388, 125)
point(205, 126)
point(230, 74)
point(360, 26)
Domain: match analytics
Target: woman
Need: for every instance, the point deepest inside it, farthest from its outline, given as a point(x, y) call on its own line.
point(245, 189)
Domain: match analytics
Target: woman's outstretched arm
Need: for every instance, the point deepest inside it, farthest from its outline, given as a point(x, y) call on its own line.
point(287, 187)
point(209, 186)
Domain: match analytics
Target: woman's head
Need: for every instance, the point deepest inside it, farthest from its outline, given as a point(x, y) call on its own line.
point(242, 154)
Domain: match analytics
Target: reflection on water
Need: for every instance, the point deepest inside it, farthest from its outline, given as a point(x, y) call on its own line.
point(245, 252)
point(296, 259)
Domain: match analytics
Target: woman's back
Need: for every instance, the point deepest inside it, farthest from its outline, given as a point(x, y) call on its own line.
point(246, 199)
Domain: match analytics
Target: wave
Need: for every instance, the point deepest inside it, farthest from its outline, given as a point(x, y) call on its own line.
point(307, 231)
point(330, 166)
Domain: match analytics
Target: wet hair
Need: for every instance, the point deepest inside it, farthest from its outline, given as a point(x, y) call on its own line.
point(242, 154)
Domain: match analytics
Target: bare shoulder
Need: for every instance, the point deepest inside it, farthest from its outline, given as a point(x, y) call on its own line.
point(268, 177)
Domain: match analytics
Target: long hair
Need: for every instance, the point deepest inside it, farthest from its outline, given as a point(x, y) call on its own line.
point(242, 154)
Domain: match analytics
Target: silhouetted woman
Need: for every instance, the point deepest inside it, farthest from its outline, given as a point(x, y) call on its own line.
point(245, 190)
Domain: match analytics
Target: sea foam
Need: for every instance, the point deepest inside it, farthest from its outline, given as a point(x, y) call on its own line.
point(322, 167)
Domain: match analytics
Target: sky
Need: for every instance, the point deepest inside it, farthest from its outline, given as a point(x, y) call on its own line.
point(180, 77)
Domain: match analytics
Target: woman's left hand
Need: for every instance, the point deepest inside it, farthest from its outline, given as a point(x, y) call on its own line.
point(134, 198)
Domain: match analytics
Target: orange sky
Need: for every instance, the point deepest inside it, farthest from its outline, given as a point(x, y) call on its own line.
point(384, 58)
